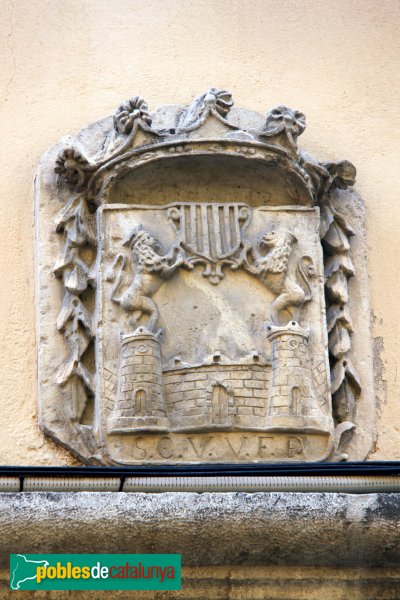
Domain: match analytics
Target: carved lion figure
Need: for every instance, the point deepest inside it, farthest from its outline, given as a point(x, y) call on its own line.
point(151, 270)
point(272, 270)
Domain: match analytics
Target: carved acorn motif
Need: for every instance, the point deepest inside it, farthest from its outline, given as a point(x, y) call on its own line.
point(74, 312)
point(131, 110)
point(339, 340)
point(338, 313)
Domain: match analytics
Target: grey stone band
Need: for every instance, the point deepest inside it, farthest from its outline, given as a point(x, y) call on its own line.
point(208, 529)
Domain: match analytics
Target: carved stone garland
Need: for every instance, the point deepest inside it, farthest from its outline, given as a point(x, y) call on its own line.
point(335, 236)
point(74, 320)
point(76, 222)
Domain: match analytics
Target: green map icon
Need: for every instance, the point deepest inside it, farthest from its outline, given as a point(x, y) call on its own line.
point(95, 572)
point(24, 570)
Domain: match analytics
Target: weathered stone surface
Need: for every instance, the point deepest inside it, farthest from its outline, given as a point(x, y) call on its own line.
point(194, 300)
point(236, 529)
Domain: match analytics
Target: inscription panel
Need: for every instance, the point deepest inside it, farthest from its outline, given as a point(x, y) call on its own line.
point(217, 447)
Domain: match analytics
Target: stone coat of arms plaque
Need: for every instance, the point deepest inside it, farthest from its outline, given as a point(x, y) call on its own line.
point(193, 290)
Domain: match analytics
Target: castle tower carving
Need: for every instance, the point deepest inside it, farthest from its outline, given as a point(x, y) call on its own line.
point(292, 402)
point(140, 399)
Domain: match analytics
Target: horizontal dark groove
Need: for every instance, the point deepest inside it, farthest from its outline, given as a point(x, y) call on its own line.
point(211, 470)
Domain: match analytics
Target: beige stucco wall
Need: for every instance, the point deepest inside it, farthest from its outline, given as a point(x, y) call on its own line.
point(65, 64)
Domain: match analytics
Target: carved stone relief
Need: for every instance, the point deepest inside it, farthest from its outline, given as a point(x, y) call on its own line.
point(198, 308)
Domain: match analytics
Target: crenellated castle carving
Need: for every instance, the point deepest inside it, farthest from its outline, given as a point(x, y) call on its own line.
point(219, 394)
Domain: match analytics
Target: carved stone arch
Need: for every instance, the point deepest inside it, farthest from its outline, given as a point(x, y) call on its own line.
point(221, 402)
point(140, 402)
point(240, 181)
point(295, 398)
point(266, 168)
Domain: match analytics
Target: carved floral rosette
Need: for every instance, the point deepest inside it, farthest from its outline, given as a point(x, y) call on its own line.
point(130, 151)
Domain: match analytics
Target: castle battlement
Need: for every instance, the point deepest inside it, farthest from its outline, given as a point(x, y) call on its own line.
point(217, 396)
point(219, 393)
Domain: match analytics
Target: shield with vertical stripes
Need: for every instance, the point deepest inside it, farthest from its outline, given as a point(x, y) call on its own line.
point(211, 231)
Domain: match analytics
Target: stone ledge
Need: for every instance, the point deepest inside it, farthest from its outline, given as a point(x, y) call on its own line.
point(208, 529)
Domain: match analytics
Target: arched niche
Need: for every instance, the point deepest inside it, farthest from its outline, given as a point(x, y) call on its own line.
point(193, 176)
